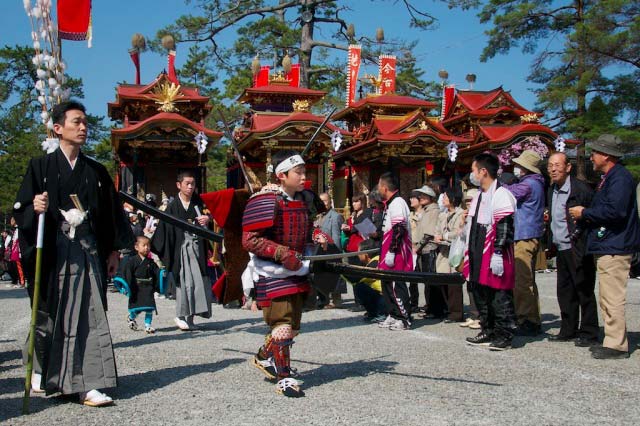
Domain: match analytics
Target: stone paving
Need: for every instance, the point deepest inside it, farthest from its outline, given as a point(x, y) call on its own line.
point(354, 373)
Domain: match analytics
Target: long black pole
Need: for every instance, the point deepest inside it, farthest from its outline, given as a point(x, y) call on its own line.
point(229, 135)
point(306, 149)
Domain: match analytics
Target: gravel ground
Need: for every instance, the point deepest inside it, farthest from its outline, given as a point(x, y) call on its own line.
point(353, 373)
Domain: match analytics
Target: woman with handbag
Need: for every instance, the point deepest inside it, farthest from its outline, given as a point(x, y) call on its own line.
point(449, 231)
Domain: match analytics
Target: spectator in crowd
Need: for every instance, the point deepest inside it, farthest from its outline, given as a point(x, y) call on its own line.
point(449, 228)
point(4, 254)
point(489, 260)
point(15, 258)
point(576, 269)
point(377, 213)
point(369, 290)
point(330, 222)
point(473, 319)
point(414, 220)
point(613, 236)
point(396, 252)
point(529, 228)
point(360, 213)
point(427, 251)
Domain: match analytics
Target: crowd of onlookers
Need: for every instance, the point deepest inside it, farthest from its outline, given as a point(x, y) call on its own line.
point(501, 234)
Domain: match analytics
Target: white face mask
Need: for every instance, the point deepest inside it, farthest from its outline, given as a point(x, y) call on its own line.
point(517, 172)
point(474, 180)
point(441, 203)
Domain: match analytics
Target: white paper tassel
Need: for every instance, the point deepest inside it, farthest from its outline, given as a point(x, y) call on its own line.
point(50, 124)
point(50, 144)
point(36, 12)
point(41, 99)
point(42, 74)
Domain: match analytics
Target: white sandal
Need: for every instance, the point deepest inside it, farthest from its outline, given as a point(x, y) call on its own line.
point(95, 398)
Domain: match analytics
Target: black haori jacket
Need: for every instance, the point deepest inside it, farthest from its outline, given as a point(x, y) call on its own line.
point(106, 215)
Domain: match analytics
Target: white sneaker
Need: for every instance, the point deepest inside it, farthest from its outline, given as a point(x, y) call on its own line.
point(36, 383)
point(399, 325)
point(95, 398)
point(387, 322)
point(149, 330)
point(182, 324)
point(467, 323)
point(476, 325)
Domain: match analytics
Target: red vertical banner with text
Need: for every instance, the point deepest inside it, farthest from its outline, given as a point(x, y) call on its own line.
point(447, 99)
point(355, 55)
point(387, 74)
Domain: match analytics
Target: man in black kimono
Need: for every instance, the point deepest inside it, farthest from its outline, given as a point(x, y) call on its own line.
point(184, 255)
point(74, 353)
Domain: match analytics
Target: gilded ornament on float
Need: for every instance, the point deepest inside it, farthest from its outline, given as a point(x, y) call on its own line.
point(279, 78)
point(423, 125)
point(301, 105)
point(529, 118)
point(166, 94)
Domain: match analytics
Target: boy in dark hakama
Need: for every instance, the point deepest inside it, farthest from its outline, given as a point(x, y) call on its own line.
point(184, 255)
point(141, 274)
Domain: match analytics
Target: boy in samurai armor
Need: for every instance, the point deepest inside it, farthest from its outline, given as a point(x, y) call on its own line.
point(276, 228)
point(141, 275)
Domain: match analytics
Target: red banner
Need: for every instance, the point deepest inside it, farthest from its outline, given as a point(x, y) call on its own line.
point(294, 75)
point(387, 74)
point(171, 60)
point(74, 19)
point(355, 53)
point(135, 57)
point(262, 78)
point(447, 99)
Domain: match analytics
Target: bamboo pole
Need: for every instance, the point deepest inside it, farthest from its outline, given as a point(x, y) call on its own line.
point(34, 315)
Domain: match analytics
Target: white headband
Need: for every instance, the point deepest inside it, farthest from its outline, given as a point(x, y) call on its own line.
point(289, 163)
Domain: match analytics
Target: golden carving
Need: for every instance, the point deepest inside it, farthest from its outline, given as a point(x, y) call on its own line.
point(279, 79)
point(166, 95)
point(529, 118)
point(301, 105)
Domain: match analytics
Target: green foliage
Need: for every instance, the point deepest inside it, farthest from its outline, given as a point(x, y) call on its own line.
point(217, 168)
point(582, 50)
point(21, 130)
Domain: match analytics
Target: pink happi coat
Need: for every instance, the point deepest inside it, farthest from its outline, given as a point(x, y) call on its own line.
point(397, 212)
point(497, 203)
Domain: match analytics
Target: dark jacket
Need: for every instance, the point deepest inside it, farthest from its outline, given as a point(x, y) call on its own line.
point(612, 219)
point(580, 194)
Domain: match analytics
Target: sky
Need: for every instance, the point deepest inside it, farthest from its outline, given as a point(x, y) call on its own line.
point(455, 45)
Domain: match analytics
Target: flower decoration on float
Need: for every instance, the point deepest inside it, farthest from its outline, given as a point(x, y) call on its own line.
point(533, 143)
